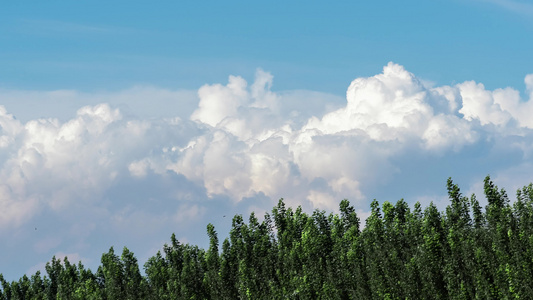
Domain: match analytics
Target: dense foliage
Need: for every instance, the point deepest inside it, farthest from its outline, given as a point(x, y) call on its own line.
point(464, 252)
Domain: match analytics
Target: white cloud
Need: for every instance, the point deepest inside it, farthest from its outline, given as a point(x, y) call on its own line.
point(529, 84)
point(52, 164)
point(139, 168)
point(321, 200)
point(246, 139)
point(479, 104)
point(448, 131)
point(114, 167)
point(395, 105)
point(218, 102)
point(496, 107)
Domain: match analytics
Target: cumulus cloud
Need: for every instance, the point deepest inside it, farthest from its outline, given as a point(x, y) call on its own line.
point(240, 145)
point(497, 107)
point(253, 146)
point(246, 139)
point(395, 105)
point(52, 164)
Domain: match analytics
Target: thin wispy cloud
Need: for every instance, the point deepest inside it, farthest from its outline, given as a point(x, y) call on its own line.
point(518, 7)
point(55, 27)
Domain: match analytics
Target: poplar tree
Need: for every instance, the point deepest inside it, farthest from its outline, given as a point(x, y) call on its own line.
point(463, 252)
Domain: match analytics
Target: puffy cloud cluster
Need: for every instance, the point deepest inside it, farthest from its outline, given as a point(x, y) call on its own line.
point(498, 107)
point(254, 142)
point(247, 140)
point(243, 144)
point(50, 164)
point(44, 159)
point(395, 105)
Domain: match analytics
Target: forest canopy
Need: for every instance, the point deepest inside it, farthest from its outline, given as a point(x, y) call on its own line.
point(463, 252)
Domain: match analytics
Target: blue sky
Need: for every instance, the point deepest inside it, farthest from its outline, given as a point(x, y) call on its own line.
point(306, 44)
point(124, 122)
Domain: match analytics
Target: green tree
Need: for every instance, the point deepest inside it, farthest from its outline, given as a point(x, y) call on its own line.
point(459, 256)
point(112, 270)
point(464, 252)
point(5, 292)
point(228, 270)
point(374, 250)
point(432, 256)
point(159, 277)
point(53, 269)
point(134, 283)
point(68, 280)
point(212, 280)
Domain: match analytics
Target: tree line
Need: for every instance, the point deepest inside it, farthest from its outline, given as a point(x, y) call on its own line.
point(463, 252)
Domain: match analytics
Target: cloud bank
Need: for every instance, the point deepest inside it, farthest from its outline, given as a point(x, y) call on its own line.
point(123, 173)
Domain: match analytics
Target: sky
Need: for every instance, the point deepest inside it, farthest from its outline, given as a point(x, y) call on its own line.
point(123, 122)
